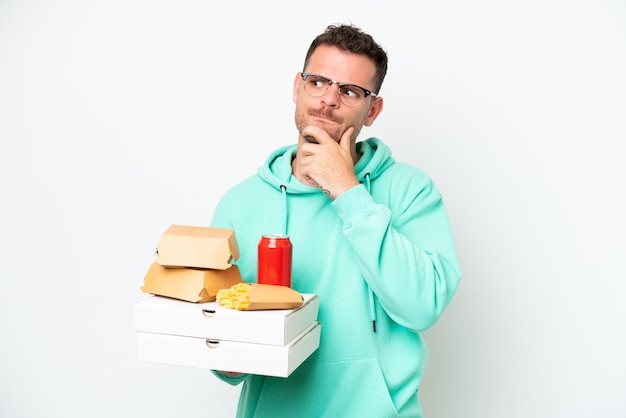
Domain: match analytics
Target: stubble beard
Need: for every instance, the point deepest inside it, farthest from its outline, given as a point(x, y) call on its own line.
point(302, 121)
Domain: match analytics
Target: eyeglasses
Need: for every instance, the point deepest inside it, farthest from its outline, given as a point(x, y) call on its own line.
point(349, 94)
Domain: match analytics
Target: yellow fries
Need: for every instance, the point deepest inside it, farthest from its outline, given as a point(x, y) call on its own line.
point(236, 297)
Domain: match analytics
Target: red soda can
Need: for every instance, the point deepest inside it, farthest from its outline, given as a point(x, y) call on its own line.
point(274, 263)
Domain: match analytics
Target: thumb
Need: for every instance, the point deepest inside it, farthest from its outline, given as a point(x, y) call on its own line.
point(346, 138)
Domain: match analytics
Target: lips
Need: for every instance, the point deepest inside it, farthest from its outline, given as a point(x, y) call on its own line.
point(328, 116)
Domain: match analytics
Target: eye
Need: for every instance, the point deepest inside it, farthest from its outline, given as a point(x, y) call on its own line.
point(317, 82)
point(351, 91)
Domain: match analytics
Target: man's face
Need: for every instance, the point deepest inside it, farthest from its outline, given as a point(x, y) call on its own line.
point(328, 111)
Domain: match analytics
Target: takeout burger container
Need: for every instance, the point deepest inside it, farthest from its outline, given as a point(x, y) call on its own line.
point(189, 284)
point(197, 247)
point(210, 336)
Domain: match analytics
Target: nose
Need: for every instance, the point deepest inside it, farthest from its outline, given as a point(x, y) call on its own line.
point(331, 97)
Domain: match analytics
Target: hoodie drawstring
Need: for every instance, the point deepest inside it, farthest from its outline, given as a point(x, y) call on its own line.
point(283, 189)
point(367, 181)
point(372, 301)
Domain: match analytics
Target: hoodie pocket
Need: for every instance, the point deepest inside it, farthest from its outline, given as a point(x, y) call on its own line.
point(348, 388)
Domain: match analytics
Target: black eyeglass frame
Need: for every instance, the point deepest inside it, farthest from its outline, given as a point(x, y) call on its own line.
point(366, 92)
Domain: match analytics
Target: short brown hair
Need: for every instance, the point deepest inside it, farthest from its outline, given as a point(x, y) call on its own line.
point(352, 39)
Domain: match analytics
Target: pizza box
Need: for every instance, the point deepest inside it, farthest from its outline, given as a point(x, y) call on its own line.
point(210, 320)
point(232, 356)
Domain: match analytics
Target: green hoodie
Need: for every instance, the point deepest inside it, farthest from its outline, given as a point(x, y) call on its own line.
point(381, 258)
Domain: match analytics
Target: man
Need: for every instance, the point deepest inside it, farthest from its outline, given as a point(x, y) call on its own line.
point(370, 236)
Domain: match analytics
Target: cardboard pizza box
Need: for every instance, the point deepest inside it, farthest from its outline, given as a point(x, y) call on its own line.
point(161, 315)
point(214, 354)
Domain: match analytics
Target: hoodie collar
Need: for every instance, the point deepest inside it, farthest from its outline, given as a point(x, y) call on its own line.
point(276, 170)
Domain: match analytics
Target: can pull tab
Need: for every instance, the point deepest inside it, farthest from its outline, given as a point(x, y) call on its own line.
point(209, 313)
point(212, 344)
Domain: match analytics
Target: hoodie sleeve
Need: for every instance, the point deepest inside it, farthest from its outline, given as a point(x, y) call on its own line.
point(231, 380)
point(404, 248)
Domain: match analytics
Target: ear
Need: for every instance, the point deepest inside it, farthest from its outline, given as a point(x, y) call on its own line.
point(374, 110)
point(296, 86)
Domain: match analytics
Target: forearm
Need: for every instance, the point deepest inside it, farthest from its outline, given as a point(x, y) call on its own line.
point(408, 261)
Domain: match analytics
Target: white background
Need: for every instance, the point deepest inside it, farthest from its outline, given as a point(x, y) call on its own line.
point(121, 117)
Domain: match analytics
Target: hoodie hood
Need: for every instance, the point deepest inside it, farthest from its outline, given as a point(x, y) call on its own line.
point(276, 171)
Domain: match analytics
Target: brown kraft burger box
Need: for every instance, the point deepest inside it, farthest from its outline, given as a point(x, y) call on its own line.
point(193, 263)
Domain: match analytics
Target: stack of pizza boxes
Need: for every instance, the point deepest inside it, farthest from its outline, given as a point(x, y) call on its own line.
point(181, 323)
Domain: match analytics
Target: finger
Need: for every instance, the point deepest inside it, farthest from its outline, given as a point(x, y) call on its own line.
point(346, 138)
point(315, 134)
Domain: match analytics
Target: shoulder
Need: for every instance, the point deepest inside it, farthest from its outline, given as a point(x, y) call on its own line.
point(407, 175)
point(245, 189)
